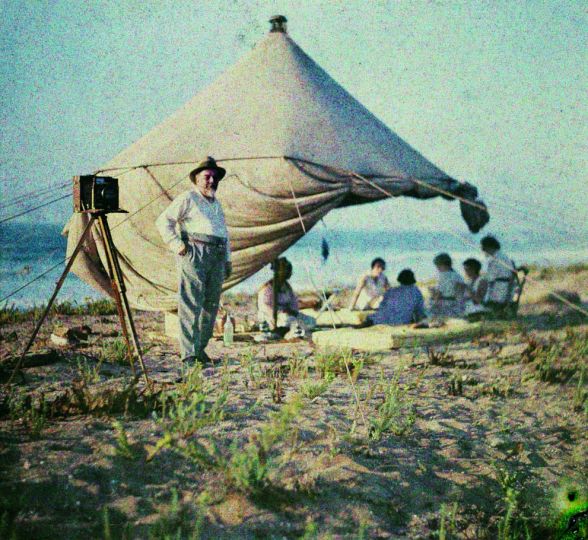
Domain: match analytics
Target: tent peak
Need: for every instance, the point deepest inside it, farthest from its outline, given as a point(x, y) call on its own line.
point(278, 23)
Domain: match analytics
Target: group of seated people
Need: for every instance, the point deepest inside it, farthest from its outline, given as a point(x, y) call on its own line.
point(480, 292)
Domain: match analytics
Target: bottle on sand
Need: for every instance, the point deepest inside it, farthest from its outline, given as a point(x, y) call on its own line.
point(228, 331)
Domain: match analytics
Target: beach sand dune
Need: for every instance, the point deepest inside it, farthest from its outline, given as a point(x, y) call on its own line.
point(282, 440)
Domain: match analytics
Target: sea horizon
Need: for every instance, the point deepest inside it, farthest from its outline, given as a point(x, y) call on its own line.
point(30, 249)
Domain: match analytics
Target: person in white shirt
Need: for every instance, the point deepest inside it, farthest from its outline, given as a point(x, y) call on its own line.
point(371, 287)
point(194, 228)
point(289, 321)
point(475, 289)
point(447, 294)
point(498, 274)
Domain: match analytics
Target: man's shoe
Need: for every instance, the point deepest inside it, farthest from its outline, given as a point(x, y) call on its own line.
point(204, 359)
point(189, 360)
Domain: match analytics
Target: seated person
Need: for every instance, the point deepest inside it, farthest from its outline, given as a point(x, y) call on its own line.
point(447, 295)
point(475, 288)
point(370, 287)
point(290, 322)
point(400, 305)
point(498, 275)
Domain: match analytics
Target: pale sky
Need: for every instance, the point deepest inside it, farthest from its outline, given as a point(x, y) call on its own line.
point(491, 92)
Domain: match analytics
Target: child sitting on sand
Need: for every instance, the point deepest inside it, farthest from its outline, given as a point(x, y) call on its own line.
point(400, 305)
point(475, 289)
point(371, 287)
point(447, 295)
point(289, 321)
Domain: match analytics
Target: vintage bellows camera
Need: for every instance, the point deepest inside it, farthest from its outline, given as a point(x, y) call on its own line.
point(95, 193)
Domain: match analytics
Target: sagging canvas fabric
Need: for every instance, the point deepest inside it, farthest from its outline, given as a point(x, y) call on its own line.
point(292, 140)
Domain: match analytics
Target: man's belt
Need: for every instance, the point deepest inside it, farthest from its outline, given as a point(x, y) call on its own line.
point(204, 238)
point(502, 279)
point(448, 298)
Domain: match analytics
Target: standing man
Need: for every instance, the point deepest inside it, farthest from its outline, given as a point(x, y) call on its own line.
point(194, 228)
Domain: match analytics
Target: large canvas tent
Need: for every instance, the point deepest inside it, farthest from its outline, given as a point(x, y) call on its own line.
point(295, 145)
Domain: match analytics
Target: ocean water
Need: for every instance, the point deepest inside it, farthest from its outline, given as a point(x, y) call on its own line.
point(27, 250)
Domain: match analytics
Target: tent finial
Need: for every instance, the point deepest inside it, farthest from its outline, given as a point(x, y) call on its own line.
point(278, 23)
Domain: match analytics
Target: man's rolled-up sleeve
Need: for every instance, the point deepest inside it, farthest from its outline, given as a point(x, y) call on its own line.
point(166, 223)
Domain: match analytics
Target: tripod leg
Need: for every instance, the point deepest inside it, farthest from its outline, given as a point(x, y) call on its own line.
point(136, 340)
point(52, 299)
point(115, 288)
point(124, 301)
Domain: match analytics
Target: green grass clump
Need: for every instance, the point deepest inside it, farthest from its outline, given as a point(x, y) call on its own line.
point(580, 401)
point(249, 469)
point(298, 366)
point(250, 371)
point(396, 414)
point(338, 362)
point(124, 448)
point(87, 371)
point(114, 351)
point(313, 389)
point(190, 405)
point(447, 526)
point(551, 272)
point(32, 412)
point(10, 314)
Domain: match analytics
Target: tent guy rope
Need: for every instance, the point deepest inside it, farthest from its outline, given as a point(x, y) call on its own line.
point(323, 294)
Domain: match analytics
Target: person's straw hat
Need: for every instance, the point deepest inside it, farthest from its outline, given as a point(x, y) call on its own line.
point(208, 163)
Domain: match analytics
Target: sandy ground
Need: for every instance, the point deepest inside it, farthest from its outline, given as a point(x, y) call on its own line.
point(484, 423)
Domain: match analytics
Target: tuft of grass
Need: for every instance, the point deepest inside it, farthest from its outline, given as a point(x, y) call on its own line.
point(313, 389)
point(439, 357)
point(114, 351)
point(447, 526)
point(580, 401)
point(87, 371)
point(251, 372)
point(123, 447)
point(396, 414)
point(10, 314)
point(274, 378)
point(338, 362)
point(513, 524)
point(172, 522)
point(455, 385)
point(32, 412)
point(500, 387)
point(37, 416)
point(190, 407)
point(298, 367)
point(185, 410)
point(557, 361)
point(249, 469)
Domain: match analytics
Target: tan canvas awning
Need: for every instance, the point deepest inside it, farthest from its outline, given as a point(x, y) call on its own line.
point(288, 135)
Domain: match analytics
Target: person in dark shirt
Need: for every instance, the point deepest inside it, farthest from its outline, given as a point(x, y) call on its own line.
point(401, 305)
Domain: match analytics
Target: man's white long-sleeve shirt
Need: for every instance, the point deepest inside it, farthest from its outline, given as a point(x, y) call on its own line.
point(192, 213)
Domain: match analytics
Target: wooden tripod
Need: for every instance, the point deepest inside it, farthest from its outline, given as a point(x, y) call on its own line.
point(118, 289)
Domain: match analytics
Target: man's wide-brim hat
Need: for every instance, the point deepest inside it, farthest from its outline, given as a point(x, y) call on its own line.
point(208, 163)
